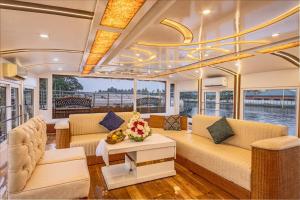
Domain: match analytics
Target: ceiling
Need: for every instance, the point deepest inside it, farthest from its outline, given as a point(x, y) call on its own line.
point(70, 38)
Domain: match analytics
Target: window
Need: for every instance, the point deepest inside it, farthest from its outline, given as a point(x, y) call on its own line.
point(43, 82)
point(15, 111)
point(3, 125)
point(274, 106)
point(151, 97)
point(78, 95)
point(226, 104)
point(188, 104)
point(210, 103)
point(28, 104)
point(172, 93)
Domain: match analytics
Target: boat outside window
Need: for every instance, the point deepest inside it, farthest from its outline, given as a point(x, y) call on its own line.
point(275, 106)
point(73, 94)
point(151, 96)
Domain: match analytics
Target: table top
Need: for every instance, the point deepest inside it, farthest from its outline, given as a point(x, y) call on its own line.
point(152, 142)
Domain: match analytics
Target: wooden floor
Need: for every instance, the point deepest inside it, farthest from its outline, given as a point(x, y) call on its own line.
point(185, 185)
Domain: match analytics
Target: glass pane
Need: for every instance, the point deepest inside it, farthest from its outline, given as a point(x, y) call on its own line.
point(226, 104)
point(43, 93)
point(172, 94)
point(3, 127)
point(188, 104)
point(15, 107)
point(151, 97)
point(84, 95)
point(210, 103)
point(28, 104)
point(271, 106)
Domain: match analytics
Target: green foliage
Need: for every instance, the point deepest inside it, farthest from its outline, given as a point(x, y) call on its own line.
point(66, 83)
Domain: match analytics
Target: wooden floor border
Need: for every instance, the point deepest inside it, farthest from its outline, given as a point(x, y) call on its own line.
point(217, 180)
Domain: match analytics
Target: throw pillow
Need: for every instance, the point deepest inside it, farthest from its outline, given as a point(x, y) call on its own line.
point(172, 123)
point(220, 130)
point(111, 121)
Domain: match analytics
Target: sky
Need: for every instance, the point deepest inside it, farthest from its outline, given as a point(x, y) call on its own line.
point(95, 84)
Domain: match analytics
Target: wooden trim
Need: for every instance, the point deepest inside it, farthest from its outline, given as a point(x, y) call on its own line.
point(94, 160)
point(275, 174)
point(237, 96)
point(47, 9)
point(215, 179)
point(154, 162)
point(50, 128)
point(63, 138)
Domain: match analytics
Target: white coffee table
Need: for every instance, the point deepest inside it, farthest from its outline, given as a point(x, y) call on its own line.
point(144, 161)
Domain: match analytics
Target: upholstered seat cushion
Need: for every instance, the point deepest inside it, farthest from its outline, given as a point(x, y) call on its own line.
point(66, 180)
point(62, 155)
point(231, 162)
point(89, 142)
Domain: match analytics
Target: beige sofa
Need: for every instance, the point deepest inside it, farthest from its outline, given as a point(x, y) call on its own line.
point(84, 130)
point(230, 160)
point(34, 173)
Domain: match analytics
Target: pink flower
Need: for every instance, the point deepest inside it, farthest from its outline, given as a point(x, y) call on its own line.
point(135, 123)
point(141, 123)
point(133, 129)
point(140, 132)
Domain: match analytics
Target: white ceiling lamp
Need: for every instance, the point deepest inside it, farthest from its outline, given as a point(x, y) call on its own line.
point(171, 76)
point(137, 54)
point(206, 12)
point(275, 34)
point(44, 35)
point(55, 59)
point(197, 71)
point(60, 69)
point(238, 64)
point(169, 66)
point(206, 55)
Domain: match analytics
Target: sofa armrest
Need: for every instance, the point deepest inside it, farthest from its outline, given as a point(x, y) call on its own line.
point(275, 168)
point(277, 143)
point(63, 135)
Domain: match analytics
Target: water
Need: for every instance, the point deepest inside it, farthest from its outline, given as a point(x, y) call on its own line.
point(275, 115)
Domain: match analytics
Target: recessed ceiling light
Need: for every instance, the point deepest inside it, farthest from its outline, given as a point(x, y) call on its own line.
point(206, 12)
point(171, 76)
point(275, 34)
point(197, 71)
point(137, 54)
point(169, 66)
point(205, 55)
point(237, 64)
point(156, 71)
point(121, 64)
point(60, 69)
point(55, 59)
point(44, 35)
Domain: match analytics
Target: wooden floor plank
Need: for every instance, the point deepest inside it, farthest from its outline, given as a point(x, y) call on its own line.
point(185, 185)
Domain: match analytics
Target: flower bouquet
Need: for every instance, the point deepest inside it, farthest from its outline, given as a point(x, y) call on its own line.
point(138, 129)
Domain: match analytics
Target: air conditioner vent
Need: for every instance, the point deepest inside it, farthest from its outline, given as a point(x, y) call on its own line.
point(215, 82)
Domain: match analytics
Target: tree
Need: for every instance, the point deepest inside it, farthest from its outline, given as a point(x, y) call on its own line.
point(66, 83)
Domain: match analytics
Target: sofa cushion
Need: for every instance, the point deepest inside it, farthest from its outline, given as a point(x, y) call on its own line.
point(220, 130)
point(63, 180)
point(111, 121)
point(245, 132)
point(172, 123)
point(81, 124)
point(232, 163)
point(62, 155)
point(89, 142)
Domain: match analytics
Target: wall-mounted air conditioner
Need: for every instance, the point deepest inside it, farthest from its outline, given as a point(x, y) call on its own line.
point(215, 82)
point(13, 71)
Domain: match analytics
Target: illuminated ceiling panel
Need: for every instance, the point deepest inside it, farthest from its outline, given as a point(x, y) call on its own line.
point(102, 43)
point(118, 13)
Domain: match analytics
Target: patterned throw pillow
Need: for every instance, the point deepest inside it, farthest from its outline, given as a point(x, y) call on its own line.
point(172, 123)
point(220, 130)
point(111, 121)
